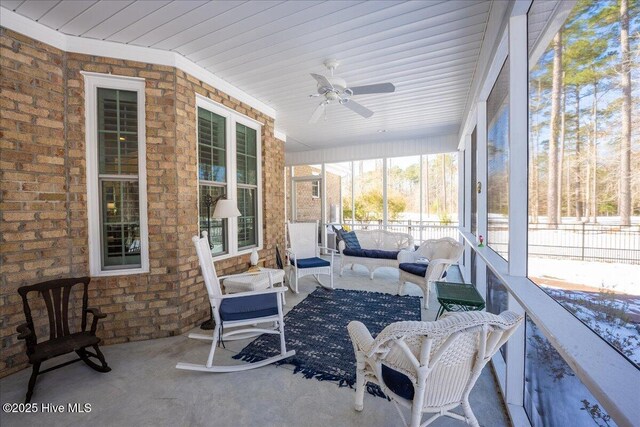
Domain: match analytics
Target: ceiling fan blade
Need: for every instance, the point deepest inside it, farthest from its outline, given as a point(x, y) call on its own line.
point(357, 108)
point(322, 80)
point(317, 113)
point(377, 88)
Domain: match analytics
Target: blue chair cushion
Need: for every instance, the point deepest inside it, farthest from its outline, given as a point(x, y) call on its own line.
point(397, 382)
point(417, 269)
point(371, 253)
point(249, 307)
point(351, 240)
point(311, 263)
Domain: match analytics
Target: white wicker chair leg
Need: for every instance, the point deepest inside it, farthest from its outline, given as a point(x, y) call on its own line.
point(360, 381)
point(401, 287)
point(468, 413)
point(296, 282)
point(331, 278)
point(416, 407)
point(425, 291)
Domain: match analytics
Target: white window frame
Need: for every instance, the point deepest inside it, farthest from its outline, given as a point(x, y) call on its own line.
point(315, 189)
point(93, 81)
point(232, 117)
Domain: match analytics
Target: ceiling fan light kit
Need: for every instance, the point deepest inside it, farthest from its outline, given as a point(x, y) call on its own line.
point(334, 88)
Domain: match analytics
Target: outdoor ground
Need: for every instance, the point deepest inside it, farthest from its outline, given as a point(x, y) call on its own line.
point(144, 388)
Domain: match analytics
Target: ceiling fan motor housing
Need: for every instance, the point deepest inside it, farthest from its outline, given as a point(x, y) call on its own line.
point(339, 85)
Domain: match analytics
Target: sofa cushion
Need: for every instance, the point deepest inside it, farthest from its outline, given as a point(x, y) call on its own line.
point(351, 240)
point(371, 253)
point(397, 382)
point(417, 269)
point(310, 262)
point(249, 307)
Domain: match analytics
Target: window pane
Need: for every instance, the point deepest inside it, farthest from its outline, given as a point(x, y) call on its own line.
point(117, 132)
point(367, 178)
point(403, 195)
point(497, 299)
point(584, 199)
point(338, 188)
point(498, 164)
point(247, 221)
point(211, 146)
point(553, 394)
point(120, 224)
point(246, 155)
point(439, 197)
point(216, 228)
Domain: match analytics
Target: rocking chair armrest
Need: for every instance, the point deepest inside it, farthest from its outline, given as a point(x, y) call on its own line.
point(25, 332)
point(96, 312)
point(327, 249)
point(252, 293)
point(360, 336)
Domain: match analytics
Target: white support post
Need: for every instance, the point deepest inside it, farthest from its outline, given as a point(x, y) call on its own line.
point(481, 176)
point(518, 195)
point(421, 200)
point(385, 211)
point(323, 206)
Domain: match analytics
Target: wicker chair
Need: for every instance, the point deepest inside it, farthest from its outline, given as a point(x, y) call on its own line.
point(304, 254)
point(430, 367)
point(56, 295)
point(441, 253)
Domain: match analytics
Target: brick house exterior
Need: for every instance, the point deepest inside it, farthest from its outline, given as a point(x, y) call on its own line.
point(308, 206)
point(44, 194)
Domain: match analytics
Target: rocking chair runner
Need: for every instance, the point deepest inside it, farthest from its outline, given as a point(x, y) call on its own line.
point(237, 310)
point(61, 341)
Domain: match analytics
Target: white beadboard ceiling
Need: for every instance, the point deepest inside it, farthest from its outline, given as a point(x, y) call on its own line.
point(427, 49)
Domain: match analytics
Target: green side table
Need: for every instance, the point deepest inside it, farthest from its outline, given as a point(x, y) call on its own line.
point(458, 297)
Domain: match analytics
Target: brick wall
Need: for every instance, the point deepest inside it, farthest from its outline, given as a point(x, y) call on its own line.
point(44, 213)
point(308, 208)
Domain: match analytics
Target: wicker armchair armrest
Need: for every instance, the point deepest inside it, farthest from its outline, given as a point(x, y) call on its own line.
point(360, 336)
point(24, 332)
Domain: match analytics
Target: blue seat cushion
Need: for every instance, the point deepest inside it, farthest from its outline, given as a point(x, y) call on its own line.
point(397, 382)
point(351, 240)
point(371, 253)
point(249, 307)
point(310, 262)
point(417, 269)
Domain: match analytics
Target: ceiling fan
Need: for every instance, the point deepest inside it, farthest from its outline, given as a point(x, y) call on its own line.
point(334, 89)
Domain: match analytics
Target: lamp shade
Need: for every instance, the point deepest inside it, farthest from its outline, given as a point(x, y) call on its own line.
point(226, 208)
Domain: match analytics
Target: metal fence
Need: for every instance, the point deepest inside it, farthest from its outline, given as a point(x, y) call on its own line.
point(578, 241)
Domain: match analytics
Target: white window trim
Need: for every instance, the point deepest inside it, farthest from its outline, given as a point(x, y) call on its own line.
point(315, 189)
point(93, 81)
point(232, 117)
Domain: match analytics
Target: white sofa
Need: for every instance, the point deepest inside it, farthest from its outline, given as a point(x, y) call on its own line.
point(379, 248)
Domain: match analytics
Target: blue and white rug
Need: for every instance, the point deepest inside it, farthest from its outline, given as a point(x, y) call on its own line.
point(316, 329)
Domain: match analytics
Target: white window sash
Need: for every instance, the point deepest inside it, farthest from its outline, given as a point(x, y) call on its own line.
point(232, 118)
point(93, 81)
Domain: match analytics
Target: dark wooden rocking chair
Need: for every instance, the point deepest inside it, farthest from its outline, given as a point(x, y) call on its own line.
point(61, 341)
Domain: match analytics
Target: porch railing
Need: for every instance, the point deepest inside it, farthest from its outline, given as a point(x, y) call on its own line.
point(578, 241)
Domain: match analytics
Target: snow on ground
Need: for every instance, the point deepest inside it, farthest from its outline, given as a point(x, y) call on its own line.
point(618, 277)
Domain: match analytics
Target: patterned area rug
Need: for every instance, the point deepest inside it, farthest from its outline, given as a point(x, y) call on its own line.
point(316, 329)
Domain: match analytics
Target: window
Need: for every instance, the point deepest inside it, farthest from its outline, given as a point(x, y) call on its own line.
point(116, 180)
point(247, 170)
point(498, 164)
point(584, 227)
point(212, 174)
point(229, 156)
point(315, 189)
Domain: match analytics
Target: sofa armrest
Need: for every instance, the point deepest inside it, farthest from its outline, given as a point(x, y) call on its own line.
point(342, 246)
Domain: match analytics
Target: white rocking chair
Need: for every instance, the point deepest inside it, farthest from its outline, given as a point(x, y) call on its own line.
point(304, 254)
point(239, 309)
point(430, 367)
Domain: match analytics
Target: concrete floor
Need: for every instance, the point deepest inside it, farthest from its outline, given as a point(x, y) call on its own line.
point(144, 388)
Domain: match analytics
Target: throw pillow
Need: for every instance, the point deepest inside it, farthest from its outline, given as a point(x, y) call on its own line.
point(351, 240)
